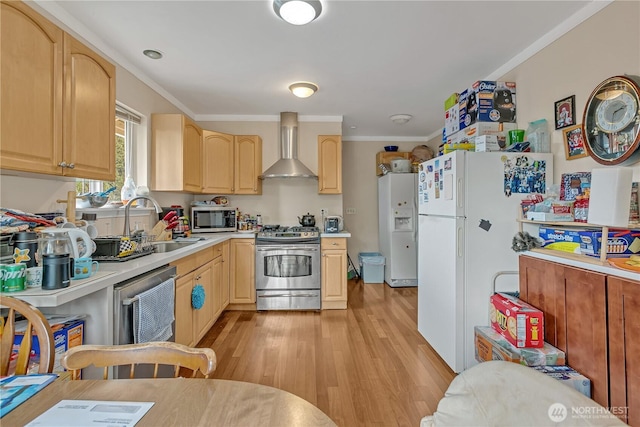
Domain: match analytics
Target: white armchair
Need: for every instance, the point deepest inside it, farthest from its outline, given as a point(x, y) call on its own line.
point(508, 394)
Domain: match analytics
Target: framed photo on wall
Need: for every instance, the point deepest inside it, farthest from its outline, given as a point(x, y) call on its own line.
point(565, 112)
point(574, 147)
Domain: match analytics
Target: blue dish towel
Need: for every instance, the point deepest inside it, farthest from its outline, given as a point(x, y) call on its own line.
point(153, 314)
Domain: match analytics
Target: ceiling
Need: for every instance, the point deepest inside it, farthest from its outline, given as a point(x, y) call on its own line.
point(233, 60)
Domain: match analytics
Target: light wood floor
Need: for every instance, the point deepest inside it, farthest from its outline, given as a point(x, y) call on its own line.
point(366, 365)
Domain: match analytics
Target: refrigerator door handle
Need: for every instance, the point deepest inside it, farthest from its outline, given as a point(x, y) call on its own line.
point(459, 195)
point(460, 237)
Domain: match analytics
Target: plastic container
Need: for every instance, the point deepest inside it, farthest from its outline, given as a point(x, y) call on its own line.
point(128, 191)
point(538, 136)
point(371, 267)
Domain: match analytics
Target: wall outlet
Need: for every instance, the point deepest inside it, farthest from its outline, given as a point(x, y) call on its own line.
point(350, 211)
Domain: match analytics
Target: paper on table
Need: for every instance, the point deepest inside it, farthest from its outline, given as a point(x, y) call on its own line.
point(92, 412)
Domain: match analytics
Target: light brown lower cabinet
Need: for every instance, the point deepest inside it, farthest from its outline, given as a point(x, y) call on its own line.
point(242, 277)
point(593, 317)
point(205, 269)
point(333, 272)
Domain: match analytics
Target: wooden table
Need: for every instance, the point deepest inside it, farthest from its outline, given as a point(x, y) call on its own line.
point(183, 402)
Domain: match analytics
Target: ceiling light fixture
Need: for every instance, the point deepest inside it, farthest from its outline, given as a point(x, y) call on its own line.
point(400, 119)
point(297, 12)
point(303, 89)
point(153, 54)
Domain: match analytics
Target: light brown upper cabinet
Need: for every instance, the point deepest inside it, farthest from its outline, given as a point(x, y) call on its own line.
point(58, 100)
point(329, 164)
point(248, 164)
point(218, 158)
point(176, 159)
point(232, 163)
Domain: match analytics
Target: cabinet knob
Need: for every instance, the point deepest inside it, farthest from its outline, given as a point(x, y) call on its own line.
point(334, 244)
point(71, 166)
point(62, 164)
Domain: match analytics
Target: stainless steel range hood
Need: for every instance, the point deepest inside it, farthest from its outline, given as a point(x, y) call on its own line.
point(288, 166)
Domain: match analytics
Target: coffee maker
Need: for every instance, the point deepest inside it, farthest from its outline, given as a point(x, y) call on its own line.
point(57, 262)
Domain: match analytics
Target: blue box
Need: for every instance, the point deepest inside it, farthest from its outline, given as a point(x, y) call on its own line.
point(371, 267)
point(488, 101)
point(561, 239)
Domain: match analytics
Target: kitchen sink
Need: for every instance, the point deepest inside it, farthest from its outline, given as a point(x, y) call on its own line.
point(162, 247)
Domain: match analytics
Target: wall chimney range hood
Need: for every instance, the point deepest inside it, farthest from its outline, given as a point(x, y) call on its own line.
point(288, 166)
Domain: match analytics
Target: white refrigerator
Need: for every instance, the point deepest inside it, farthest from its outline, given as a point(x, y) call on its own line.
point(467, 209)
point(397, 229)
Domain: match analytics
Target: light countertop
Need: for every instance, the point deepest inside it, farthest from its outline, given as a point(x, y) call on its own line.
point(111, 273)
point(612, 271)
point(343, 233)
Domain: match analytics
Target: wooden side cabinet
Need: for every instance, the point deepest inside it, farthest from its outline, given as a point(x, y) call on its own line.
point(624, 347)
point(575, 305)
point(334, 273)
point(58, 99)
point(242, 275)
point(329, 164)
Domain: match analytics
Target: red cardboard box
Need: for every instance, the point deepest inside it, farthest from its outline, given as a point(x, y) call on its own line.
point(520, 323)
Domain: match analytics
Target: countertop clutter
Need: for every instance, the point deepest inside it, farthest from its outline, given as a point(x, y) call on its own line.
point(113, 273)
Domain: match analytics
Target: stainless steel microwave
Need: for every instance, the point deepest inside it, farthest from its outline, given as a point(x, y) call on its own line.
point(212, 219)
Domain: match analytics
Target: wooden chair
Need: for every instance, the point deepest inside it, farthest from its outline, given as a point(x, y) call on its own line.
point(35, 322)
point(154, 353)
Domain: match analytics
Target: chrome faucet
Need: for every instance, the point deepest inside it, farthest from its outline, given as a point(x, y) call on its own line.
point(127, 231)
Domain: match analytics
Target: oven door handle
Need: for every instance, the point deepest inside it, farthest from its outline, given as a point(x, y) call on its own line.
point(287, 295)
point(286, 248)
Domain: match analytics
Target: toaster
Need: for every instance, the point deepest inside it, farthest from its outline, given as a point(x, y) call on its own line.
point(333, 224)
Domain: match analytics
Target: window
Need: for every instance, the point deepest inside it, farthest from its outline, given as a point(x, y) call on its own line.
point(126, 122)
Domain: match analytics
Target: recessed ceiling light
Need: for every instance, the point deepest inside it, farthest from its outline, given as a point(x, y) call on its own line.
point(303, 89)
point(297, 12)
point(152, 53)
point(400, 119)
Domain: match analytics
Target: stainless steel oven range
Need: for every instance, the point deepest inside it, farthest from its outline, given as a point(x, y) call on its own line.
point(288, 268)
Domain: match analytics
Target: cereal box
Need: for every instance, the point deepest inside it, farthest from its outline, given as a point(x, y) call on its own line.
point(67, 333)
point(490, 345)
point(568, 377)
point(520, 323)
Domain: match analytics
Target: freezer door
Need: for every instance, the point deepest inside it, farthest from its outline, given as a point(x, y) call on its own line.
point(440, 287)
point(400, 268)
point(440, 185)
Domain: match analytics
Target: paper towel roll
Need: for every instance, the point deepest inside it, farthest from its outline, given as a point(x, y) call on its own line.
point(610, 197)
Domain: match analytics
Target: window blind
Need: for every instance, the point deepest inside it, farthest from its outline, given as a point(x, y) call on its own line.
point(125, 114)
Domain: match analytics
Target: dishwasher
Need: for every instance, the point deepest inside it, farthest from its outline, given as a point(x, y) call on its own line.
point(125, 297)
